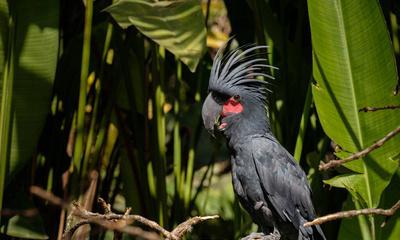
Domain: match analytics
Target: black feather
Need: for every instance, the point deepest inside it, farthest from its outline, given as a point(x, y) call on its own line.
point(270, 185)
point(239, 71)
point(284, 184)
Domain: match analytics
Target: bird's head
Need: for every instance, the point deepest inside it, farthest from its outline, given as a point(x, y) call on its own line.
point(236, 103)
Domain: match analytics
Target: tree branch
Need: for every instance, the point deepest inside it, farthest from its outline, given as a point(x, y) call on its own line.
point(374, 109)
point(120, 222)
point(30, 212)
point(48, 196)
point(353, 213)
point(117, 222)
point(357, 155)
point(186, 226)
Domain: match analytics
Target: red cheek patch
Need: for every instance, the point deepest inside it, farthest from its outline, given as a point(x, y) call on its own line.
point(231, 107)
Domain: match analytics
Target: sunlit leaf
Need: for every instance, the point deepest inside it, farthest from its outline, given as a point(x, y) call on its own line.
point(354, 183)
point(176, 25)
point(26, 227)
point(354, 67)
point(32, 57)
point(35, 53)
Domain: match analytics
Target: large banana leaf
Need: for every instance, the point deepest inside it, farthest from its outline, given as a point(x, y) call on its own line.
point(35, 57)
point(354, 67)
point(29, 49)
point(176, 25)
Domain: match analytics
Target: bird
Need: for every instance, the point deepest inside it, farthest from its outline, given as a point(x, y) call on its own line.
point(266, 179)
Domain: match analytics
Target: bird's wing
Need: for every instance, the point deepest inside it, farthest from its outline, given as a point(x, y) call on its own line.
point(283, 181)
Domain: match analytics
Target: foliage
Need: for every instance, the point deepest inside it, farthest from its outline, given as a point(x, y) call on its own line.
point(103, 98)
point(359, 51)
point(165, 23)
point(27, 77)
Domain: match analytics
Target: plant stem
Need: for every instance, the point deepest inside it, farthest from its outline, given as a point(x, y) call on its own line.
point(193, 138)
point(78, 149)
point(98, 85)
point(177, 137)
point(362, 220)
point(159, 101)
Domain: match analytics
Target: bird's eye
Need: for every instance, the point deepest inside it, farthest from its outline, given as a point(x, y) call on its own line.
point(219, 97)
point(236, 97)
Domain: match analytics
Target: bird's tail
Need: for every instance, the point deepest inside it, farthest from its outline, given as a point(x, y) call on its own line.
point(318, 233)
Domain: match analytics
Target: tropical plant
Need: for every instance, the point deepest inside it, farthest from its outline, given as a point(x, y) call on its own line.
point(103, 99)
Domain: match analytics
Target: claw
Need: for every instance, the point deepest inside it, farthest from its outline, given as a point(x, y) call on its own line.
point(262, 236)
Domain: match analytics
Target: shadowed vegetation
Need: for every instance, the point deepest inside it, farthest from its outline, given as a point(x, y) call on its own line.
point(103, 99)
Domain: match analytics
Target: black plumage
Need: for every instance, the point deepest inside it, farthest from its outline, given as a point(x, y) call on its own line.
point(270, 185)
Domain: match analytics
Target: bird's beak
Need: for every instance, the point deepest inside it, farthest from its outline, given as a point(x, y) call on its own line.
point(211, 114)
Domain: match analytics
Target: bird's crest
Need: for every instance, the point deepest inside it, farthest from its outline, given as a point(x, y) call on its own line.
point(241, 70)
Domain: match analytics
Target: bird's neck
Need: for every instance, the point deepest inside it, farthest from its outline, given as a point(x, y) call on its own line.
point(251, 123)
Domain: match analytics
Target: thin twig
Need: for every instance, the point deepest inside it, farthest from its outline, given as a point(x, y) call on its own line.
point(64, 183)
point(373, 109)
point(30, 212)
point(137, 231)
point(357, 155)
point(120, 222)
point(106, 207)
point(88, 199)
point(353, 213)
point(110, 221)
point(48, 196)
point(117, 222)
point(117, 234)
point(186, 226)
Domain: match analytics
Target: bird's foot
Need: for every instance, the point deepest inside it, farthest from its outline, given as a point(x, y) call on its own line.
point(276, 235)
point(254, 236)
point(262, 236)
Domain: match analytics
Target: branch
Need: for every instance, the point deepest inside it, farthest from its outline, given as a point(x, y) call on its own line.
point(374, 109)
point(48, 196)
point(30, 212)
point(120, 222)
point(186, 226)
point(357, 155)
point(353, 213)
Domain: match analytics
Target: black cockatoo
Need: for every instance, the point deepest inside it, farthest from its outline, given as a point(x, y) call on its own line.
point(268, 182)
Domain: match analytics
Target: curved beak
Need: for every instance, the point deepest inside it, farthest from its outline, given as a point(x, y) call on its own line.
point(211, 113)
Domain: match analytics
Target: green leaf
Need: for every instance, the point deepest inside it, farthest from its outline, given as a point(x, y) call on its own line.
point(354, 67)
point(176, 25)
point(27, 220)
point(26, 227)
point(19, 226)
point(392, 227)
point(35, 49)
point(29, 36)
point(350, 227)
point(354, 183)
point(6, 83)
point(352, 165)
